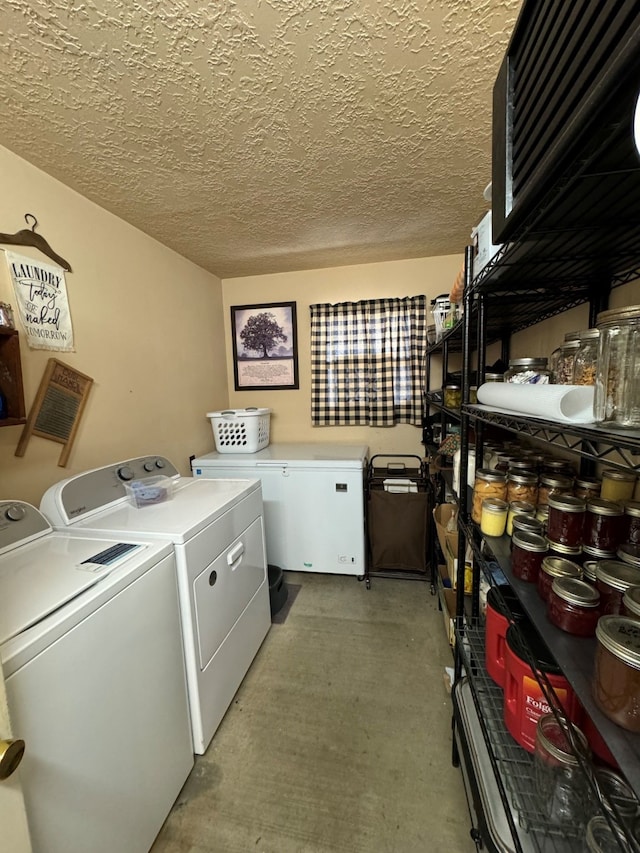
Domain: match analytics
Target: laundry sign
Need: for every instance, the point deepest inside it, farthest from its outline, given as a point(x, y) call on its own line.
point(43, 307)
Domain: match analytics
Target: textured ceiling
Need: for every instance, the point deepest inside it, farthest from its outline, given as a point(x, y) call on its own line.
point(263, 136)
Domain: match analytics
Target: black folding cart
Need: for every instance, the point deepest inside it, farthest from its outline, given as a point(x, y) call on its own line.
point(399, 499)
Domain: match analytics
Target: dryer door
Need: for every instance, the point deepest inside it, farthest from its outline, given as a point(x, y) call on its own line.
point(225, 588)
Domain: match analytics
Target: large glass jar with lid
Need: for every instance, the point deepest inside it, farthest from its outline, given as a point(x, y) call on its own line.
point(564, 366)
point(528, 371)
point(488, 484)
point(585, 361)
point(617, 394)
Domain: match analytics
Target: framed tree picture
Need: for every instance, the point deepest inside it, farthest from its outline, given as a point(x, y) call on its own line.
point(265, 348)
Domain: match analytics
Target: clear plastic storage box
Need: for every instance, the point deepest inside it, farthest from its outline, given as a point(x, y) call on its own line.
point(149, 490)
point(240, 430)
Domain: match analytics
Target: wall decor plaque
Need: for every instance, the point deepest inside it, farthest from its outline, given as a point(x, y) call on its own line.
point(57, 408)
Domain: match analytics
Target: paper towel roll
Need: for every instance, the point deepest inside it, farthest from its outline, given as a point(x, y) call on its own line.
point(571, 404)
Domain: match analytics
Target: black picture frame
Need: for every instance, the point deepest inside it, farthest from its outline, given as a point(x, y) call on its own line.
point(270, 331)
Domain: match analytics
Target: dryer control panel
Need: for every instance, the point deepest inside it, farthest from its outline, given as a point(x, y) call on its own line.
point(92, 490)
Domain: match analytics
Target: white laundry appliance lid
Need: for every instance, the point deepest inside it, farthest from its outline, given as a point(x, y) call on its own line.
point(300, 454)
point(51, 569)
point(96, 501)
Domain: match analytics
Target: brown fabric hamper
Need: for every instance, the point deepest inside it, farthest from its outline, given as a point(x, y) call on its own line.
point(398, 525)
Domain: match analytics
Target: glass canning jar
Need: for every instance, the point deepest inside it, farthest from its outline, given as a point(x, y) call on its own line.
point(617, 394)
point(553, 484)
point(629, 554)
point(522, 486)
point(494, 377)
point(573, 606)
point(619, 798)
point(557, 467)
point(564, 365)
point(526, 524)
point(488, 484)
point(589, 571)
point(617, 485)
point(527, 554)
point(567, 552)
point(601, 838)
point(585, 361)
point(493, 516)
point(603, 528)
point(631, 602)
point(552, 568)
point(452, 396)
point(613, 578)
point(616, 681)
point(566, 520)
point(631, 531)
point(518, 508)
point(560, 754)
point(528, 371)
point(587, 487)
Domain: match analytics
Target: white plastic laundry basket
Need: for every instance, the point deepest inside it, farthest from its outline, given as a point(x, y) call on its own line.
point(240, 430)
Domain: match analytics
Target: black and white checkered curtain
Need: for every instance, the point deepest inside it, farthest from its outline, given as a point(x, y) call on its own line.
point(367, 362)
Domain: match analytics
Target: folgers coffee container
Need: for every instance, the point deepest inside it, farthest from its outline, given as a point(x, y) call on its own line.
point(616, 681)
point(524, 701)
point(503, 608)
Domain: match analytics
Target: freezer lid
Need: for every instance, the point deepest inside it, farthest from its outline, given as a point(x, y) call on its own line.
point(293, 454)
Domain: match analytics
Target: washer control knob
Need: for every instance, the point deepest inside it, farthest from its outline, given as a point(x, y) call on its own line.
point(159, 463)
point(149, 466)
point(15, 512)
point(125, 473)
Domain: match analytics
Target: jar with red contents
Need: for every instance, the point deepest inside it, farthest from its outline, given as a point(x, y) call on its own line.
point(573, 605)
point(616, 681)
point(632, 522)
point(603, 528)
point(589, 571)
point(613, 578)
point(566, 552)
point(629, 554)
point(503, 609)
point(524, 699)
point(552, 568)
point(631, 602)
point(527, 554)
point(566, 520)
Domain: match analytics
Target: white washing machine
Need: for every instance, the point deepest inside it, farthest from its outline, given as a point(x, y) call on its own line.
point(216, 528)
point(95, 679)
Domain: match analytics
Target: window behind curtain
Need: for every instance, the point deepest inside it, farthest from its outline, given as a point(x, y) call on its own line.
point(367, 362)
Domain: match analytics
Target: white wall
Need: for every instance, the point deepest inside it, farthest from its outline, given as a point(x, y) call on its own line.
point(148, 328)
point(291, 409)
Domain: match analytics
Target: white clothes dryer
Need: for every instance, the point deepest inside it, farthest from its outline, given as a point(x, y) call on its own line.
point(216, 527)
point(95, 680)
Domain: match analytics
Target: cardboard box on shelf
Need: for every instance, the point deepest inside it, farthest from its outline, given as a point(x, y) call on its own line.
point(448, 604)
point(445, 517)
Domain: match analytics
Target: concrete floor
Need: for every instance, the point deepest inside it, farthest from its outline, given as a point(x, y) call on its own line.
point(339, 738)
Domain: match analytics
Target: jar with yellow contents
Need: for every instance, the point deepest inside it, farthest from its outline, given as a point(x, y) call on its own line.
point(488, 483)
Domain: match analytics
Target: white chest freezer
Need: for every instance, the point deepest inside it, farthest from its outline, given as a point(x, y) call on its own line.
point(313, 498)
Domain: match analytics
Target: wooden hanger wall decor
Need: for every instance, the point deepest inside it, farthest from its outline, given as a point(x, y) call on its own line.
point(28, 237)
